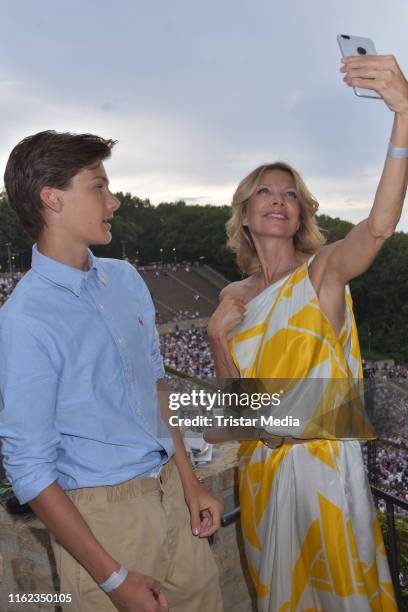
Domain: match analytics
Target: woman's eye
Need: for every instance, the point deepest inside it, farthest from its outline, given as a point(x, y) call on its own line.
point(291, 194)
point(263, 190)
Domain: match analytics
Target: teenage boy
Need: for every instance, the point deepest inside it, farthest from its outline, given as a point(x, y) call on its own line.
point(79, 371)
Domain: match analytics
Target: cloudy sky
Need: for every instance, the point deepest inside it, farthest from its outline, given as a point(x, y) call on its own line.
point(199, 93)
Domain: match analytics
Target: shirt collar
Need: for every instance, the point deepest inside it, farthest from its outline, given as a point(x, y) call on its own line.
point(66, 276)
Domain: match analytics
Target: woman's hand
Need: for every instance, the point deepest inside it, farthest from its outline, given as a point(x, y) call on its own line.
point(381, 73)
point(229, 313)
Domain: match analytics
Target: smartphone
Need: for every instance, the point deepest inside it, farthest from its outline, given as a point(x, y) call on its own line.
point(357, 45)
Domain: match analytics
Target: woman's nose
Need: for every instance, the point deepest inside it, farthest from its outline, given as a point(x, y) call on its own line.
point(278, 199)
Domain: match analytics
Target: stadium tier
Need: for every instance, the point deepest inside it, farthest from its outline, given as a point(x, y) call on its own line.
point(183, 291)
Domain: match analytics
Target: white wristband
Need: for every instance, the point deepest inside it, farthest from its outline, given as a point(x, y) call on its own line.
point(115, 580)
point(397, 152)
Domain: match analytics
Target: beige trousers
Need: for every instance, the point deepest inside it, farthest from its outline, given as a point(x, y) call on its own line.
point(145, 525)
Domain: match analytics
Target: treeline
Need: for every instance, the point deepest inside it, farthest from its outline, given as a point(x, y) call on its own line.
point(175, 231)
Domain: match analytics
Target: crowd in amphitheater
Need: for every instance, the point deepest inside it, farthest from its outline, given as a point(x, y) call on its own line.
point(390, 473)
point(7, 284)
point(179, 315)
point(386, 371)
point(189, 352)
point(390, 414)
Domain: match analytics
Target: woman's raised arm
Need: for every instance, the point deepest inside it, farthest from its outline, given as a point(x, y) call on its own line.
point(354, 255)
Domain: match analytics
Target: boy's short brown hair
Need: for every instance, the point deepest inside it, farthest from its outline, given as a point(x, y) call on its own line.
point(49, 159)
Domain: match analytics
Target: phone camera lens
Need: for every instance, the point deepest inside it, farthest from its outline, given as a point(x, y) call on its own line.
point(361, 50)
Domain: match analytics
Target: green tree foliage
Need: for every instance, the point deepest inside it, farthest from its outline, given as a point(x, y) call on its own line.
point(140, 230)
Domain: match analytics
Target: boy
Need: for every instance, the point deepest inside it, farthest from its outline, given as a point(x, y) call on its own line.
point(79, 365)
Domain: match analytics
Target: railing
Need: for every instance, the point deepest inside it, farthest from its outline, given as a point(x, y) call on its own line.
point(230, 517)
point(391, 501)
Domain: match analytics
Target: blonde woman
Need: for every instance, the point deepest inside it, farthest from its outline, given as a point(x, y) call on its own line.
point(311, 536)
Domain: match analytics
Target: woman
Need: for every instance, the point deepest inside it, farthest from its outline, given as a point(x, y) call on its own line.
point(311, 535)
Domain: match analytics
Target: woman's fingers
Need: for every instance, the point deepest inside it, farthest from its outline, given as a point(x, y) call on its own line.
point(229, 313)
point(377, 67)
point(377, 62)
point(234, 304)
point(368, 78)
point(365, 73)
point(381, 73)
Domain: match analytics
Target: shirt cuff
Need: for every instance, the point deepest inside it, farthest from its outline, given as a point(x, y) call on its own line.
point(26, 491)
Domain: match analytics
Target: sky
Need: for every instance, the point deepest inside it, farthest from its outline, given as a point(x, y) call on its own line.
point(200, 93)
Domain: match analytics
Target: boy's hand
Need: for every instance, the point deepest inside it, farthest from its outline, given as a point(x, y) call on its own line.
point(139, 593)
point(205, 510)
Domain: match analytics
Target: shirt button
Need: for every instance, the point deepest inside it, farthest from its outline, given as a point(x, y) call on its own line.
point(101, 307)
point(120, 340)
point(129, 376)
point(138, 412)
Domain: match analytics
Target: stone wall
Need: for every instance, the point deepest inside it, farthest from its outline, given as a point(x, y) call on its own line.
point(27, 564)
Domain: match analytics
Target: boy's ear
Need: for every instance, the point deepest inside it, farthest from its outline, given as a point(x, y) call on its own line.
point(50, 197)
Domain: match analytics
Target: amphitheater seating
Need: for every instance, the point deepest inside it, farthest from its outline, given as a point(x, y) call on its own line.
point(184, 288)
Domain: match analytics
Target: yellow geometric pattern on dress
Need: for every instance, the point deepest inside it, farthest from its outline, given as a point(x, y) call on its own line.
point(255, 484)
point(308, 331)
point(325, 450)
point(289, 322)
point(329, 561)
point(262, 590)
point(307, 324)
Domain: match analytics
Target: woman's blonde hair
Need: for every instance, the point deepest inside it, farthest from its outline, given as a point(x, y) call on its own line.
point(307, 239)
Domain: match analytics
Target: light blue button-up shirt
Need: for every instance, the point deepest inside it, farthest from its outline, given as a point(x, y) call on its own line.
point(79, 360)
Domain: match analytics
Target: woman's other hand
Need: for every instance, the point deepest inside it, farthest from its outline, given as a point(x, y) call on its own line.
point(229, 313)
point(381, 73)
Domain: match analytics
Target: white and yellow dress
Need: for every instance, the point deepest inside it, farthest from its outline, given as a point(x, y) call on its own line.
point(312, 539)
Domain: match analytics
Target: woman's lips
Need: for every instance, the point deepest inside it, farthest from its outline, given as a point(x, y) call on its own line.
point(276, 216)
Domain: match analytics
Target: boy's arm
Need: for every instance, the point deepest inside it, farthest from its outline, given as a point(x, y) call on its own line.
point(28, 394)
point(205, 510)
point(59, 514)
point(69, 528)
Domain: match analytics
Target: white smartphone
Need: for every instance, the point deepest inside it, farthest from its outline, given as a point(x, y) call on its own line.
point(358, 45)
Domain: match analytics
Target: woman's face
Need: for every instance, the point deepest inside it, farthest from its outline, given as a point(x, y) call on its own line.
point(273, 210)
